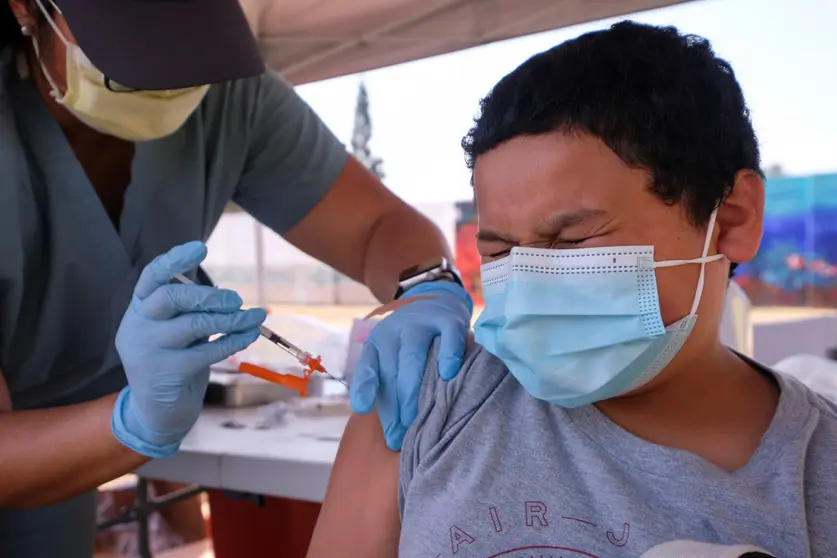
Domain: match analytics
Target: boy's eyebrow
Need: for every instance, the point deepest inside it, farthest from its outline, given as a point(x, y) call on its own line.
point(554, 224)
point(547, 228)
point(487, 235)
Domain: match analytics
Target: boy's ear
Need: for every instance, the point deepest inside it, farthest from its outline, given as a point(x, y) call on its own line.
point(740, 218)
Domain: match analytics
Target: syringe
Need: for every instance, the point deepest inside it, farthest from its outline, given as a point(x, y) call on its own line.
point(311, 363)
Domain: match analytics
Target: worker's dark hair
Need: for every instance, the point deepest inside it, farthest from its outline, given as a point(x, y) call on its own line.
point(661, 100)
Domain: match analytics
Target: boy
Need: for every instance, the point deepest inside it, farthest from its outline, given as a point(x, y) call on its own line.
point(617, 181)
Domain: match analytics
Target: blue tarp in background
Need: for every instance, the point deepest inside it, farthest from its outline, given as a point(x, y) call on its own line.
point(797, 261)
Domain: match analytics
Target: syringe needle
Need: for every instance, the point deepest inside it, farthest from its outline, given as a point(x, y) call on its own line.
point(330, 375)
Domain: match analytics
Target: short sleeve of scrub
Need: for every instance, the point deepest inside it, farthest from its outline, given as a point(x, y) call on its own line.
point(293, 158)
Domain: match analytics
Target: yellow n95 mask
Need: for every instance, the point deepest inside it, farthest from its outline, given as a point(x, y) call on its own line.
point(132, 115)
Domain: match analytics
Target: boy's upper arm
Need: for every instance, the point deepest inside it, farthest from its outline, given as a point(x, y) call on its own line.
point(360, 517)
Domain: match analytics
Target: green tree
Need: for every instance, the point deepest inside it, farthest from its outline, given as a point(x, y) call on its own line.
point(362, 134)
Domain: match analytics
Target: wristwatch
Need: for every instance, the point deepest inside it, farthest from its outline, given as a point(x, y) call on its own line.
point(432, 270)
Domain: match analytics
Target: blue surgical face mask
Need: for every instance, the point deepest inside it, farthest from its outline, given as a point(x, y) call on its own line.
point(580, 326)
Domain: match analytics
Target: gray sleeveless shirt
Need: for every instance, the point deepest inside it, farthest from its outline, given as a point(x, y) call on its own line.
point(488, 470)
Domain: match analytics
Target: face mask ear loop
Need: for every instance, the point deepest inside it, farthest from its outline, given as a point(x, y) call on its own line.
point(56, 93)
point(699, 291)
point(52, 21)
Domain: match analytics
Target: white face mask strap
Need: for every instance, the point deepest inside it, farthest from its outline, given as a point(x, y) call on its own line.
point(675, 263)
point(703, 259)
point(56, 93)
point(52, 21)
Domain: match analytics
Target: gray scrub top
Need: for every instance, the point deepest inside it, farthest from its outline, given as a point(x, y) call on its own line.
point(66, 273)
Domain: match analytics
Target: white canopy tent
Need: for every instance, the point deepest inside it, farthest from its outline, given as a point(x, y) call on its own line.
point(312, 40)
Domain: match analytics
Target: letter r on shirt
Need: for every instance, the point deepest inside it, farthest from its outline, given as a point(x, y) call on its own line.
point(536, 510)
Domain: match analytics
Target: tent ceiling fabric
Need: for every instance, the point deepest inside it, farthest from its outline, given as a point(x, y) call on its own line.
point(311, 40)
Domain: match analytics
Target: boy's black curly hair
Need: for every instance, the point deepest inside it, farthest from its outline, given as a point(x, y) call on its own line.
point(661, 100)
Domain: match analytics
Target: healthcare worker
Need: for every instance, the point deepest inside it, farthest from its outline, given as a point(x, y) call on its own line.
point(126, 127)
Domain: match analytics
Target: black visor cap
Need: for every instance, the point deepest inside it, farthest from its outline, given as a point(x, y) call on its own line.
point(164, 44)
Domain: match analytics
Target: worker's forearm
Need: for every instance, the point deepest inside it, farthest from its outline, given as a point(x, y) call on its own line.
point(52, 454)
point(401, 238)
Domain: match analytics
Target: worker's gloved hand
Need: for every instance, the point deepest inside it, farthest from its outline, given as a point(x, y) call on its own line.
point(389, 373)
point(165, 350)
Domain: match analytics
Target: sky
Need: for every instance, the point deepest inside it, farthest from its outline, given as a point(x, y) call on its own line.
point(784, 53)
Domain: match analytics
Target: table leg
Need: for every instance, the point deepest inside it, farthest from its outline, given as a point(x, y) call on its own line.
point(145, 506)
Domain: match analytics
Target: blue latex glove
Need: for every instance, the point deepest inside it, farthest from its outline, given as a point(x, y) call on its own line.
point(164, 346)
point(391, 367)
